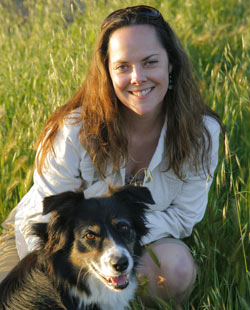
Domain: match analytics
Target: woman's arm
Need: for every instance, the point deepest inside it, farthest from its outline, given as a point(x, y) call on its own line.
point(61, 173)
point(189, 206)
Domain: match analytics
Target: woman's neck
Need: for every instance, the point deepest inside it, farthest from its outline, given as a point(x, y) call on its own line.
point(143, 125)
point(143, 135)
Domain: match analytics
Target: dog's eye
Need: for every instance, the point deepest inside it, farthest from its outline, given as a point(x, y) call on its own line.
point(123, 227)
point(90, 236)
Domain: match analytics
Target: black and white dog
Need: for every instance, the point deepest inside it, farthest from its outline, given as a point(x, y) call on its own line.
point(87, 256)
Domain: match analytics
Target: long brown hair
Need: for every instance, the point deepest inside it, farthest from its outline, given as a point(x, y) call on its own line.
point(103, 134)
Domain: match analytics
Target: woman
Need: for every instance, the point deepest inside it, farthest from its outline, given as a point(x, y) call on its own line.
point(138, 118)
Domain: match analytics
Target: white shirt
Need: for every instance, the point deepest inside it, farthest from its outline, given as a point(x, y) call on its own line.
point(178, 205)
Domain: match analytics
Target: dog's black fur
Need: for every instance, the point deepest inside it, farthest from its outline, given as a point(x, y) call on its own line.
point(87, 255)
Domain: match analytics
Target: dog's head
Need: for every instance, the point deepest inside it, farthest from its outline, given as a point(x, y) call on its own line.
point(97, 236)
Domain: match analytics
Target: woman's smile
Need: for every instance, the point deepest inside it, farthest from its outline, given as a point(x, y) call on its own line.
point(141, 93)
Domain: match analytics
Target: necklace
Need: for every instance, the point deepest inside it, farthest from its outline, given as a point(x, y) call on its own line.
point(136, 179)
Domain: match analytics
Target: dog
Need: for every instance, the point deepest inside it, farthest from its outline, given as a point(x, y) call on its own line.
point(87, 254)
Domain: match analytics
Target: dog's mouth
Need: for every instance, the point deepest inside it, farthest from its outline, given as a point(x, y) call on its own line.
point(119, 282)
point(116, 283)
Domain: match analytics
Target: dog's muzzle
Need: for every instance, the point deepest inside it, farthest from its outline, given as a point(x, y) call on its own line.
point(115, 273)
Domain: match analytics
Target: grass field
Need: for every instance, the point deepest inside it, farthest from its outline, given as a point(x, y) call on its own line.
point(44, 53)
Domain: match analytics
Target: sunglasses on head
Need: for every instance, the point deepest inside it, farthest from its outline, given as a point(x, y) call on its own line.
point(143, 10)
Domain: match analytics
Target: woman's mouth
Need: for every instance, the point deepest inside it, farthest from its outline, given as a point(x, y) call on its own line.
point(141, 93)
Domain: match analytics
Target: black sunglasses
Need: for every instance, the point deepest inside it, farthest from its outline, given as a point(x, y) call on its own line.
point(143, 10)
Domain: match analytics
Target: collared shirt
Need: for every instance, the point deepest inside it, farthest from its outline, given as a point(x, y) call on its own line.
point(179, 205)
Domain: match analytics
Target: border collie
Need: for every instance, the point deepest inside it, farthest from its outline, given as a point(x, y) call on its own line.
point(87, 254)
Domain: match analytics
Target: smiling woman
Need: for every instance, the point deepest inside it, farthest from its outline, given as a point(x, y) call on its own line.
point(139, 113)
point(140, 78)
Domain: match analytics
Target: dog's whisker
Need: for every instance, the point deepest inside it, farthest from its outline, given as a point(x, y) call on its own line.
point(81, 276)
point(136, 258)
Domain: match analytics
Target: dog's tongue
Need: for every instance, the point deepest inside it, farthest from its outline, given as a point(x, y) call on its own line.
point(121, 280)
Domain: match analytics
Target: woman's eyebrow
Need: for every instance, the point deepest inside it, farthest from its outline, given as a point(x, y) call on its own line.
point(125, 61)
point(120, 62)
point(146, 58)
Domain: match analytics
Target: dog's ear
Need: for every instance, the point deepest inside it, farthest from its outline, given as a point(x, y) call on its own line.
point(61, 202)
point(135, 198)
point(135, 194)
point(59, 228)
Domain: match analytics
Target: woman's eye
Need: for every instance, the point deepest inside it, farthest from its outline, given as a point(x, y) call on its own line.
point(90, 236)
point(122, 68)
point(151, 62)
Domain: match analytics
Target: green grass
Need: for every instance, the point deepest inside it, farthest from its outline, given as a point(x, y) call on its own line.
point(44, 59)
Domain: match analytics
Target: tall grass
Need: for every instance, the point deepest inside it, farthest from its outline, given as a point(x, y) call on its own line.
point(44, 57)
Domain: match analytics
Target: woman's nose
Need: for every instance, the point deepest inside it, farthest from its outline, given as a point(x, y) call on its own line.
point(138, 76)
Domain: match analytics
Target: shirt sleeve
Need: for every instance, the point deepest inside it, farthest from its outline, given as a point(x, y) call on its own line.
point(62, 167)
point(188, 208)
point(61, 173)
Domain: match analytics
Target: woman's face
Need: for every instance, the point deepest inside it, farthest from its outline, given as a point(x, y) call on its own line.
point(139, 69)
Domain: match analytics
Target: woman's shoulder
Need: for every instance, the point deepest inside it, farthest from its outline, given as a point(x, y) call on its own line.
point(71, 125)
point(211, 124)
point(68, 134)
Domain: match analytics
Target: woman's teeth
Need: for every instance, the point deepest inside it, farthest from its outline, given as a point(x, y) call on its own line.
point(142, 93)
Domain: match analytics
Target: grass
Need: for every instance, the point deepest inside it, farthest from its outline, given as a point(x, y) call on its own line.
point(44, 58)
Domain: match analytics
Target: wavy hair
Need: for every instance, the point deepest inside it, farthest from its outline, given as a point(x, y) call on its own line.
point(103, 134)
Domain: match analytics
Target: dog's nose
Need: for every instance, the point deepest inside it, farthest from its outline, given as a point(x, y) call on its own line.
point(119, 264)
